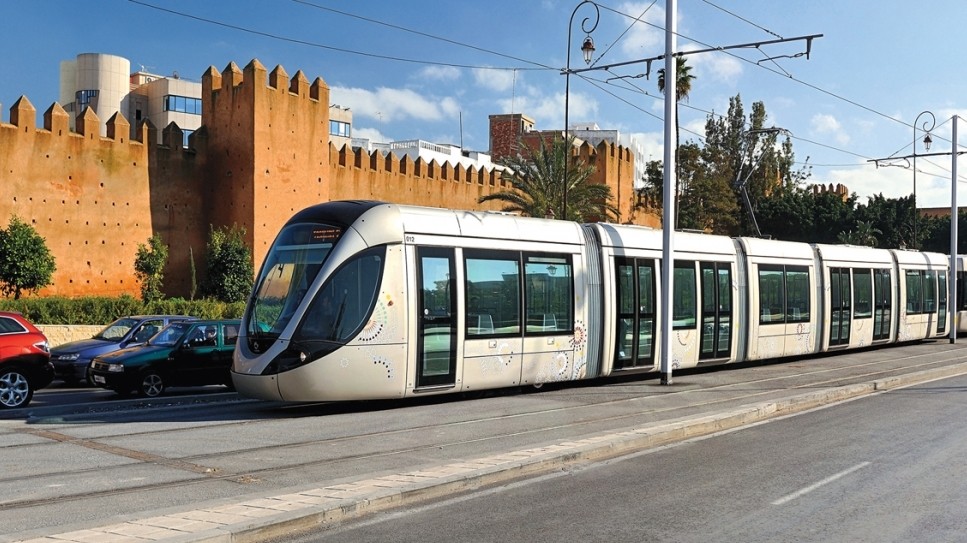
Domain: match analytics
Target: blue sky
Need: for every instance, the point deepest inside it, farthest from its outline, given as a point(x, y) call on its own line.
point(435, 70)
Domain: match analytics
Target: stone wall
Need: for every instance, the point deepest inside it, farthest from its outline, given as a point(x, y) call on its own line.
point(261, 155)
point(59, 334)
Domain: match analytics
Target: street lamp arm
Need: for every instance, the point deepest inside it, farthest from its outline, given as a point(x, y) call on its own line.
point(808, 39)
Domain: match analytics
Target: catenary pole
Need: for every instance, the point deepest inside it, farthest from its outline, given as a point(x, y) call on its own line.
point(954, 223)
point(668, 206)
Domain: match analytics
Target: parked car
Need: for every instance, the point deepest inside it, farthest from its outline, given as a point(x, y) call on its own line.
point(24, 360)
point(185, 353)
point(72, 360)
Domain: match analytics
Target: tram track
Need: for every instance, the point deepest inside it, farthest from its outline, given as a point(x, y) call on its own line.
point(203, 467)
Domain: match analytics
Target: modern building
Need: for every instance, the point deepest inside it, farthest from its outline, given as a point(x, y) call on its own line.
point(591, 133)
point(164, 100)
point(441, 153)
point(106, 84)
point(95, 80)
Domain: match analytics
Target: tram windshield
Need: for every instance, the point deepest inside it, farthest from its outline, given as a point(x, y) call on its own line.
point(290, 267)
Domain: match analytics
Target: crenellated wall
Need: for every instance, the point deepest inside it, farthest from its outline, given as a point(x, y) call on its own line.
point(361, 175)
point(261, 154)
point(85, 194)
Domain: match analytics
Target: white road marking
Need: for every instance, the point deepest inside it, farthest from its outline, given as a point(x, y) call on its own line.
point(814, 486)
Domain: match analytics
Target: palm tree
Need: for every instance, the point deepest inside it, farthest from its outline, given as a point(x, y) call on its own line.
point(683, 86)
point(537, 189)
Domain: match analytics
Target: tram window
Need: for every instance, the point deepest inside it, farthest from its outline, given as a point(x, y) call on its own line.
point(493, 289)
point(862, 294)
point(797, 294)
point(783, 294)
point(685, 298)
point(914, 283)
point(772, 294)
point(345, 301)
point(548, 293)
point(929, 291)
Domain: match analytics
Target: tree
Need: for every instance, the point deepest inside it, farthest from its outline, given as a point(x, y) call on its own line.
point(865, 234)
point(25, 261)
point(149, 266)
point(538, 190)
point(230, 271)
point(683, 87)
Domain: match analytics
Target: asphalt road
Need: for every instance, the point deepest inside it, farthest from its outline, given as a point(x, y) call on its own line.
point(887, 467)
point(97, 467)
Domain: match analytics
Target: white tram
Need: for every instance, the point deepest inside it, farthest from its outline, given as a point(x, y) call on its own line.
point(368, 300)
point(961, 296)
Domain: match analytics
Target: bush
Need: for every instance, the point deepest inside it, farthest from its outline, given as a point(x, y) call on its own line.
point(25, 261)
point(102, 310)
point(230, 272)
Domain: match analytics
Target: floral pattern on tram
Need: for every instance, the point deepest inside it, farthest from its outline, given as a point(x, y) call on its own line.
point(499, 362)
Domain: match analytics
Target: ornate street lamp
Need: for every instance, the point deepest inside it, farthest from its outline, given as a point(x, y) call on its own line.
point(587, 48)
point(927, 140)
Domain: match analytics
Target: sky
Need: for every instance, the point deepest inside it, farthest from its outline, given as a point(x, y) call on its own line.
point(436, 69)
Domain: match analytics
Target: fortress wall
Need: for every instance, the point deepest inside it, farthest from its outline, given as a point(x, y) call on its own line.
point(361, 175)
point(261, 154)
point(87, 195)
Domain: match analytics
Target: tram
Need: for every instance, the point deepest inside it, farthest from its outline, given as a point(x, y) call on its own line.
point(961, 296)
point(370, 300)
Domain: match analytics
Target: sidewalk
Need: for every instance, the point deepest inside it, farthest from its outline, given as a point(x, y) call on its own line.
point(275, 514)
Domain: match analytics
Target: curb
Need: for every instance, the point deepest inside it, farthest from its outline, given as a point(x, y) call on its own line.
point(263, 518)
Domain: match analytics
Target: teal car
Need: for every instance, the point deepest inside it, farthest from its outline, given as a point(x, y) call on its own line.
point(187, 353)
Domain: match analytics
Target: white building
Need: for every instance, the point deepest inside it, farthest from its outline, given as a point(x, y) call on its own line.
point(98, 81)
point(165, 100)
point(105, 84)
point(591, 133)
point(441, 153)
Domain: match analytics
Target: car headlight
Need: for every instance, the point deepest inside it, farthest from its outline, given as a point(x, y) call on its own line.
point(68, 356)
point(115, 368)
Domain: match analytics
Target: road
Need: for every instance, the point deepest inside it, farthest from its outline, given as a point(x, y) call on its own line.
point(74, 466)
point(60, 394)
point(888, 467)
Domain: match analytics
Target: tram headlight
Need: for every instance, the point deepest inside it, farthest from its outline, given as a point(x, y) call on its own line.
point(298, 355)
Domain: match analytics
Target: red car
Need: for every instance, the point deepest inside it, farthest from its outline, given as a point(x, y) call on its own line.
point(24, 360)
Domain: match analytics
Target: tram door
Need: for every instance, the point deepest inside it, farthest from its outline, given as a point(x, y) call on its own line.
point(882, 304)
point(840, 313)
point(635, 281)
point(716, 310)
point(437, 334)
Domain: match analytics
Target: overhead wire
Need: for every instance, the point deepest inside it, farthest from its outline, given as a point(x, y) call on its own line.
point(327, 47)
point(534, 66)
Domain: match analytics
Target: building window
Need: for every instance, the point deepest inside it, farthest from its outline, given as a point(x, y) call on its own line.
point(339, 128)
point(85, 98)
point(183, 104)
point(185, 134)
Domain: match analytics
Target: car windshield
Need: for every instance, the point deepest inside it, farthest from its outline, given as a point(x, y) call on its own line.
point(169, 335)
point(117, 330)
point(291, 266)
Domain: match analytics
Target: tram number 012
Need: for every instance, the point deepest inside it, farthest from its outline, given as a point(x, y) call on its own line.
point(409, 239)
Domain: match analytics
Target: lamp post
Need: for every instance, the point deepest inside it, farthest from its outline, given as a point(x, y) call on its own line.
point(587, 48)
point(927, 140)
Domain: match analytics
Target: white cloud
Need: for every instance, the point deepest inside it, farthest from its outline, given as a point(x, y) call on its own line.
point(714, 66)
point(440, 73)
point(827, 125)
point(388, 105)
point(652, 144)
point(642, 39)
point(548, 110)
point(497, 80)
point(372, 134)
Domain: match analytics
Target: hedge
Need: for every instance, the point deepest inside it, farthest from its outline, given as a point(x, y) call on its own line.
point(103, 310)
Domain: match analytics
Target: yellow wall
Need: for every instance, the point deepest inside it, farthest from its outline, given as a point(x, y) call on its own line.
point(261, 155)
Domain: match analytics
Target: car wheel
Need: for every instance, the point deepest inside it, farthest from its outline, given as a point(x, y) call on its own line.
point(152, 385)
point(15, 389)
